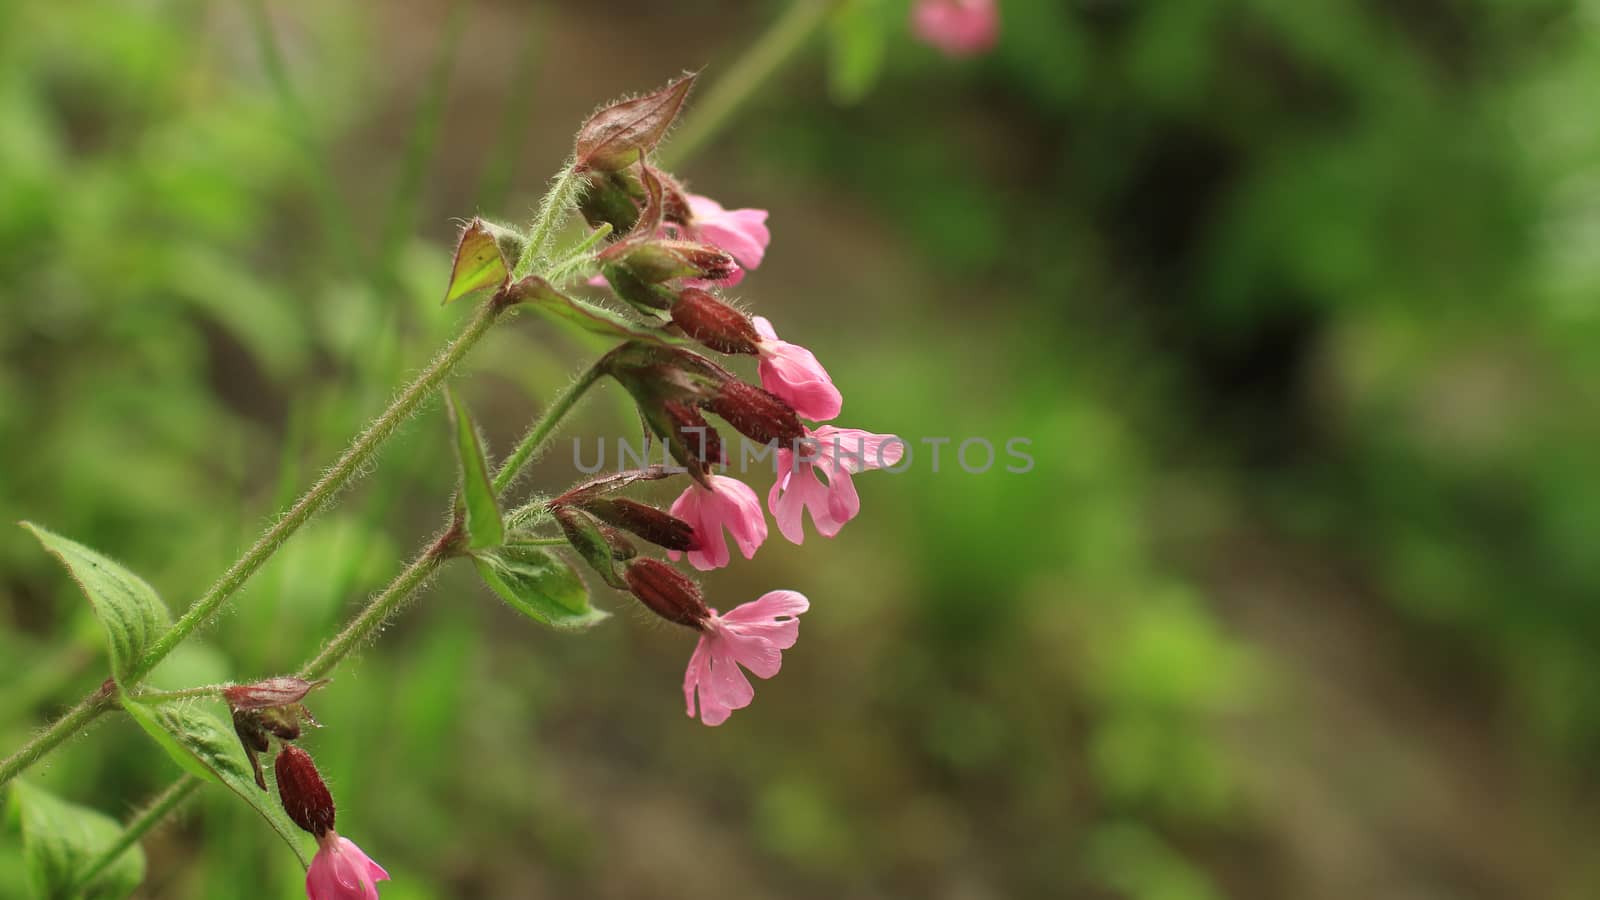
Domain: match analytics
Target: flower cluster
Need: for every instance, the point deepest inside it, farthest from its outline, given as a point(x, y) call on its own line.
point(274, 709)
point(672, 254)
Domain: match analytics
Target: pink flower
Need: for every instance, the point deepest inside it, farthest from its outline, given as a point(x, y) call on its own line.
point(958, 27)
point(729, 505)
point(341, 871)
point(752, 635)
point(741, 233)
point(792, 373)
point(838, 453)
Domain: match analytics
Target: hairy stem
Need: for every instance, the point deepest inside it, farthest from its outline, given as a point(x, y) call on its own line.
point(372, 617)
point(333, 481)
point(533, 441)
point(746, 76)
point(139, 825)
point(552, 214)
point(72, 722)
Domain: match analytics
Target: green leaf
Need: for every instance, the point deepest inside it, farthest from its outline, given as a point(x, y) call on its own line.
point(539, 585)
point(857, 43)
point(481, 258)
point(60, 839)
point(133, 616)
point(536, 292)
point(202, 745)
point(485, 527)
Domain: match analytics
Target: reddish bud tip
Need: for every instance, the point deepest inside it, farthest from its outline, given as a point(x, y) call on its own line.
point(693, 433)
point(669, 593)
point(305, 798)
point(714, 323)
point(756, 414)
point(270, 692)
point(657, 526)
point(614, 137)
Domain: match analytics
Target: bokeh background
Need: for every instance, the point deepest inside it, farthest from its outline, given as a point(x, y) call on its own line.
point(1298, 303)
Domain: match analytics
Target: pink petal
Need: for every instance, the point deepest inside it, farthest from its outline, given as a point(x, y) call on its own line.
point(732, 689)
point(769, 606)
point(843, 501)
point(697, 681)
point(793, 373)
point(795, 492)
point(730, 507)
point(764, 327)
point(957, 27)
point(755, 652)
point(854, 450)
point(742, 234)
point(341, 871)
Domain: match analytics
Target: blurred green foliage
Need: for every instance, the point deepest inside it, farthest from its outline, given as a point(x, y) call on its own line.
point(1295, 303)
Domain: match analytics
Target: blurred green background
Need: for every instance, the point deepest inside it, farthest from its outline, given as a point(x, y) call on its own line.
point(1298, 303)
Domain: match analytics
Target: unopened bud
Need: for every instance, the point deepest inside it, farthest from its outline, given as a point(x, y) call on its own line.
point(269, 707)
point(755, 413)
point(305, 798)
point(700, 441)
point(655, 261)
point(622, 549)
point(584, 533)
point(669, 593)
point(610, 200)
point(657, 526)
point(714, 323)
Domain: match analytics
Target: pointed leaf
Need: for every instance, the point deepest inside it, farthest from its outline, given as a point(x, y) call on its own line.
point(536, 292)
point(484, 256)
point(200, 743)
point(613, 137)
point(539, 585)
point(133, 616)
point(484, 526)
point(59, 839)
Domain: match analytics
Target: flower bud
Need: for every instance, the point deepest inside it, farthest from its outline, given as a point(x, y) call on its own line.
point(655, 261)
point(584, 534)
point(700, 442)
point(714, 323)
point(755, 413)
point(657, 526)
point(622, 549)
point(305, 798)
point(270, 692)
point(614, 137)
point(669, 593)
point(610, 200)
point(269, 707)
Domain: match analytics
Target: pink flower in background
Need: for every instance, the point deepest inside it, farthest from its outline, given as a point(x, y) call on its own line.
point(958, 27)
point(741, 233)
point(753, 635)
point(730, 505)
point(792, 373)
point(341, 871)
point(838, 453)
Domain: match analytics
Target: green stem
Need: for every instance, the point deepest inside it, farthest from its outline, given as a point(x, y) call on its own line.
point(209, 690)
point(141, 824)
point(580, 254)
point(539, 542)
point(552, 214)
point(71, 723)
point(541, 430)
point(354, 461)
point(378, 611)
point(740, 82)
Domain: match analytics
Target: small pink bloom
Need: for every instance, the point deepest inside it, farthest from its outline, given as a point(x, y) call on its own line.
point(730, 504)
point(958, 27)
point(837, 453)
point(792, 373)
point(341, 871)
point(741, 233)
point(753, 635)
